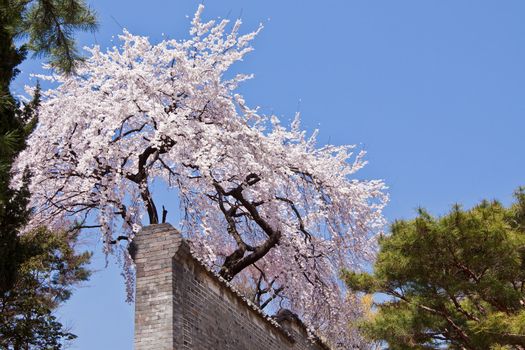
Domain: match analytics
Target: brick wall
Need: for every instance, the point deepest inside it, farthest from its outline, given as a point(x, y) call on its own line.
point(181, 305)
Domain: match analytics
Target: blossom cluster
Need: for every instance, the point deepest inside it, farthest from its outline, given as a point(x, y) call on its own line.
point(249, 188)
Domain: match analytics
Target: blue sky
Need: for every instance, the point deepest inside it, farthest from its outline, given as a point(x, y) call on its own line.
point(433, 90)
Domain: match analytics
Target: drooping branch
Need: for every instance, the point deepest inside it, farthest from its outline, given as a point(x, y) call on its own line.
point(307, 235)
point(261, 291)
point(238, 260)
point(146, 113)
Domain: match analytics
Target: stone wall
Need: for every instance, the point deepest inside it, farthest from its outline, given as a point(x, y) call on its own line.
point(180, 304)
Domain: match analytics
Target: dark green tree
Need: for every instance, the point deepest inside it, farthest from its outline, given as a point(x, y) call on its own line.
point(45, 279)
point(14, 212)
point(43, 28)
point(454, 282)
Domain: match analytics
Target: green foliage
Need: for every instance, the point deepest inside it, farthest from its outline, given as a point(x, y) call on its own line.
point(9, 142)
point(45, 277)
point(456, 281)
point(48, 26)
point(37, 270)
point(13, 134)
point(13, 215)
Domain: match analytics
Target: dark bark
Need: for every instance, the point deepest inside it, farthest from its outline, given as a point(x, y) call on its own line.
point(239, 260)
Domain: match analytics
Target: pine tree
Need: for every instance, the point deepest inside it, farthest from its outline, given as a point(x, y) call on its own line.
point(454, 282)
point(44, 28)
point(45, 276)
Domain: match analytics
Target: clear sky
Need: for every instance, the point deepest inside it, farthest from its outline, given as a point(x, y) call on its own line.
point(433, 90)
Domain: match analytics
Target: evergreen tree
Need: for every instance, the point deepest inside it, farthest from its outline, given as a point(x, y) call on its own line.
point(45, 28)
point(13, 203)
point(44, 280)
point(457, 281)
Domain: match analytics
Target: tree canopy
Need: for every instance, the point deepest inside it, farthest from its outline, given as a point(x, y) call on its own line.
point(456, 281)
point(263, 205)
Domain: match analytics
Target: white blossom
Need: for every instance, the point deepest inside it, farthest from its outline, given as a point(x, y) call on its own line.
point(143, 113)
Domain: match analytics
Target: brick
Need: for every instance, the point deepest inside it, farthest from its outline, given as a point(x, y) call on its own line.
point(180, 305)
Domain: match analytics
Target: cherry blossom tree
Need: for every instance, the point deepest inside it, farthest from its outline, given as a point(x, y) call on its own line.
point(262, 204)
